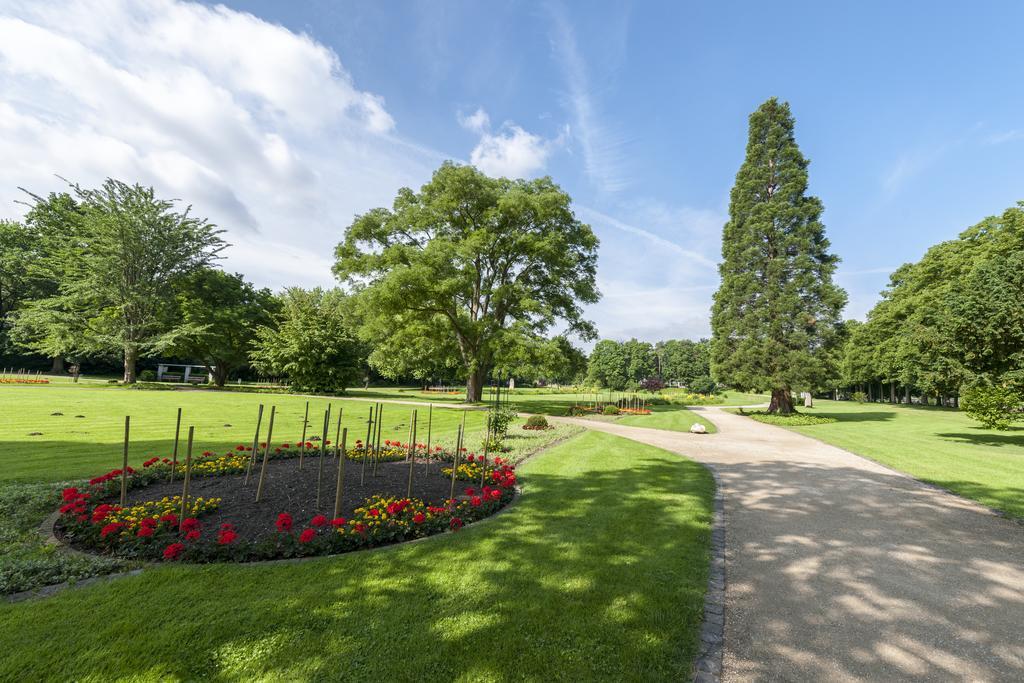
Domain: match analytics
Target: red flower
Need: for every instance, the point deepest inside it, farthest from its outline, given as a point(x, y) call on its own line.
point(418, 518)
point(173, 551)
point(455, 524)
point(307, 535)
point(360, 528)
point(338, 522)
point(240, 447)
point(112, 528)
point(469, 458)
point(190, 524)
point(284, 522)
point(319, 520)
point(149, 522)
point(192, 535)
point(495, 494)
point(170, 518)
point(475, 501)
point(226, 537)
point(69, 493)
point(470, 491)
point(374, 512)
point(144, 532)
point(227, 526)
point(66, 508)
point(285, 445)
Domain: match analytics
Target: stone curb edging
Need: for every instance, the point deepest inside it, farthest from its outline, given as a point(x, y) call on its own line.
point(46, 529)
point(707, 668)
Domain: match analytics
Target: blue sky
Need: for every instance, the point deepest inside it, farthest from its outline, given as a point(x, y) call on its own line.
point(282, 120)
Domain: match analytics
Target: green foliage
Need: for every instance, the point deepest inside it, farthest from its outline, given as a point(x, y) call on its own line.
point(313, 343)
point(776, 310)
point(996, 407)
point(471, 270)
point(618, 365)
point(116, 278)
point(703, 385)
point(684, 361)
point(222, 313)
point(860, 397)
point(500, 419)
point(951, 319)
point(610, 409)
point(790, 420)
point(147, 376)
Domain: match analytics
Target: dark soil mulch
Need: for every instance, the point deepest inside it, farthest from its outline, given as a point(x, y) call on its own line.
point(287, 489)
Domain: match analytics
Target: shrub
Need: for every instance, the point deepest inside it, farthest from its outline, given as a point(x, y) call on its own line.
point(501, 418)
point(536, 422)
point(703, 385)
point(147, 376)
point(652, 384)
point(860, 397)
point(611, 410)
point(791, 420)
point(993, 407)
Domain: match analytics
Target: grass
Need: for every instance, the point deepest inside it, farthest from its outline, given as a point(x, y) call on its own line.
point(937, 445)
point(791, 420)
point(598, 572)
point(70, 447)
point(672, 418)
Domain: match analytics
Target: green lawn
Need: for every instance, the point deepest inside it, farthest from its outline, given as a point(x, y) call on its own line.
point(598, 572)
point(937, 445)
point(72, 447)
point(672, 418)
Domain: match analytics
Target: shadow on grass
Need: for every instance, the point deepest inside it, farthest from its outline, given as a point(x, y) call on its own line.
point(598, 573)
point(1011, 437)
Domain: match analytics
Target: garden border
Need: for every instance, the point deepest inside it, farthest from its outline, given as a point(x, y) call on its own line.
point(46, 529)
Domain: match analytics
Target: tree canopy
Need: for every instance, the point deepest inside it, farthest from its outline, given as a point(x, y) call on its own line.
point(776, 311)
point(468, 274)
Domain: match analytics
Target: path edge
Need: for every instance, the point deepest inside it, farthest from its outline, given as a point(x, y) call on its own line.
point(707, 667)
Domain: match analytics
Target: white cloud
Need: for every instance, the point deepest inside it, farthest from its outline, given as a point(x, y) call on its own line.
point(603, 158)
point(510, 152)
point(1005, 136)
point(260, 128)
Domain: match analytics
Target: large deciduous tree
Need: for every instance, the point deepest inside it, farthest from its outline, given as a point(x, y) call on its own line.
point(223, 312)
point(777, 309)
point(467, 271)
point(115, 273)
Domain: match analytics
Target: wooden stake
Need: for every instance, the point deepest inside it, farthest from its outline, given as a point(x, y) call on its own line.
point(124, 464)
point(412, 455)
point(487, 444)
point(302, 446)
point(266, 454)
point(339, 485)
point(174, 456)
point(323, 452)
point(341, 411)
point(376, 442)
point(188, 475)
point(430, 423)
point(255, 446)
point(366, 447)
point(455, 462)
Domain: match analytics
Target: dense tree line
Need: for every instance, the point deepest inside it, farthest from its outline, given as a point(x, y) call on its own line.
point(630, 364)
point(949, 323)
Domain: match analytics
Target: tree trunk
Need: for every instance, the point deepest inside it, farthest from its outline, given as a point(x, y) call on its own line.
point(782, 402)
point(58, 366)
point(892, 392)
point(906, 394)
point(220, 374)
point(131, 357)
point(475, 385)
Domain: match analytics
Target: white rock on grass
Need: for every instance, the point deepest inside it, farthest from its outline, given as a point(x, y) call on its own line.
point(698, 428)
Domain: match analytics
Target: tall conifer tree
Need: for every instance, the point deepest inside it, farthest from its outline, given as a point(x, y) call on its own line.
point(777, 309)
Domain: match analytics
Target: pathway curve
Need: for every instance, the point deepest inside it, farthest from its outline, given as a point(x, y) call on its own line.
point(839, 568)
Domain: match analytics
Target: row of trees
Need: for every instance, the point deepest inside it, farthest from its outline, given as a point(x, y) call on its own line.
point(620, 365)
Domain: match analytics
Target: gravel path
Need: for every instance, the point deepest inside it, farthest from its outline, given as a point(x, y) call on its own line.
point(838, 568)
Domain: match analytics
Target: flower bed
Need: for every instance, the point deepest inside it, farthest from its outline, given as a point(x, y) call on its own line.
point(223, 522)
point(20, 380)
